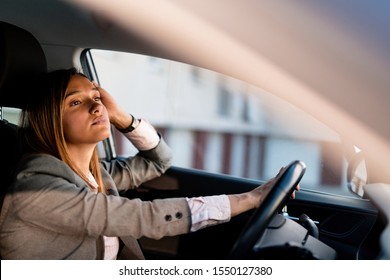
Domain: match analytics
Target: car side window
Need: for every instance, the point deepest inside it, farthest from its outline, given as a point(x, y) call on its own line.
point(220, 124)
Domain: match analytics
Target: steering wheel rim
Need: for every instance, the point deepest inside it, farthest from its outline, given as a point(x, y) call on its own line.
point(285, 183)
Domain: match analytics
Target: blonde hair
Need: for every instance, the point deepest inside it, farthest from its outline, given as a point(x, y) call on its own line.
point(41, 123)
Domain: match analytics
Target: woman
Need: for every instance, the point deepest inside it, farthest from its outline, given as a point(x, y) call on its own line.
point(66, 204)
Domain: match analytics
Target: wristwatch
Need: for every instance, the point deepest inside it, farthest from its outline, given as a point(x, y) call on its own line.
point(132, 126)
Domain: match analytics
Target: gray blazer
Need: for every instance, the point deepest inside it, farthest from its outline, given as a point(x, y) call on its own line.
point(50, 212)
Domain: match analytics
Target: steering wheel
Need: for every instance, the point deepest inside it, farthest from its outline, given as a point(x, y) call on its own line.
point(285, 183)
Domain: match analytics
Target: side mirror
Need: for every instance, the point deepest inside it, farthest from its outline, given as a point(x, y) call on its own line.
point(357, 174)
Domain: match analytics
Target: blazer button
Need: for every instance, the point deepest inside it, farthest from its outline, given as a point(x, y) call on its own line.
point(168, 218)
point(179, 215)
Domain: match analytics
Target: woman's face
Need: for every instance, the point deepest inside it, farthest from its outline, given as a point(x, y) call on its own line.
point(85, 118)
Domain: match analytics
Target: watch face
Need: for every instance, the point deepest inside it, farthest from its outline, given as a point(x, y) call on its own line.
point(133, 124)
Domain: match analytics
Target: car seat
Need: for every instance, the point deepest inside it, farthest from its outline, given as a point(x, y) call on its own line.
point(22, 60)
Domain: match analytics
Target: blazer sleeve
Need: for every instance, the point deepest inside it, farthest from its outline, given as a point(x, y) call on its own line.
point(48, 195)
point(129, 173)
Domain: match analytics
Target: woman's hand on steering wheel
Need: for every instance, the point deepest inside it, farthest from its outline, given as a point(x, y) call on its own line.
point(260, 193)
point(240, 203)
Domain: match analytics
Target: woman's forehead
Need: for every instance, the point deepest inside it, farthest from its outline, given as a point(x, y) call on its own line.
point(79, 83)
point(79, 80)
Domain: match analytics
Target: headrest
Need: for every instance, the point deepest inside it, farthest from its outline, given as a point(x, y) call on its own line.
point(22, 60)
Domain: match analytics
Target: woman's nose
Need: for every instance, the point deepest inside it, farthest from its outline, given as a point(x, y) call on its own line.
point(95, 107)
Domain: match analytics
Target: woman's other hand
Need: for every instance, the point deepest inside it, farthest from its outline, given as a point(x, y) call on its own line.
point(118, 116)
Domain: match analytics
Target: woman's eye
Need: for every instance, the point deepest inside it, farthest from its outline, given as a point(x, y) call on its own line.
point(74, 103)
point(98, 98)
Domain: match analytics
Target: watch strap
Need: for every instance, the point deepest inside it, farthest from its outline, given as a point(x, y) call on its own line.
point(131, 127)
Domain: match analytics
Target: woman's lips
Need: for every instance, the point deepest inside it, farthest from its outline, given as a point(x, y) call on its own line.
point(100, 120)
